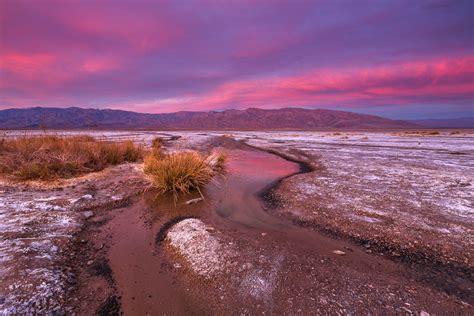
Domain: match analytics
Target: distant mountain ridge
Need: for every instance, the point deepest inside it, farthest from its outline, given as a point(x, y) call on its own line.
point(252, 118)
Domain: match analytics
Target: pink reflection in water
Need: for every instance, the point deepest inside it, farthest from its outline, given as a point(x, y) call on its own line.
point(248, 173)
point(259, 166)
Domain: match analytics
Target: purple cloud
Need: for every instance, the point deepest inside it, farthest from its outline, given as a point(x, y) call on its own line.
point(164, 56)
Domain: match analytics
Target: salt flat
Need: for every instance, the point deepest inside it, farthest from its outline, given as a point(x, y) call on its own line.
point(409, 195)
point(417, 189)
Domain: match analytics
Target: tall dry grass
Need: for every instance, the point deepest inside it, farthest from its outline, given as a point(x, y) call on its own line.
point(52, 157)
point(184, 172)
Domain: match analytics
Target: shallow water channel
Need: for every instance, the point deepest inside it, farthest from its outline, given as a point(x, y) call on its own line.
point(138, 264)
point(146, 274)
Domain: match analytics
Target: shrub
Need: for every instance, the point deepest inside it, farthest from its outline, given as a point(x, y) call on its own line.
point(422, 133)
point(217, 162)
point(182, 172)
point(157, 143)
point(157, 146)
point(51, 157)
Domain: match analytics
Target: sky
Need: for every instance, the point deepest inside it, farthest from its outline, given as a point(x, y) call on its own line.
point(398, 59)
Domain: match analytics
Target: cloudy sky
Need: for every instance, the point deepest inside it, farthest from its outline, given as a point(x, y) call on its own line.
point(398, 59)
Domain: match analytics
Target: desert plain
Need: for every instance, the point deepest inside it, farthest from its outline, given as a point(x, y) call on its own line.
point(339, 222)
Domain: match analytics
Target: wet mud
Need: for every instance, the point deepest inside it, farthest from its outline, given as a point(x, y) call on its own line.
point(303, 223)
point(267, 263)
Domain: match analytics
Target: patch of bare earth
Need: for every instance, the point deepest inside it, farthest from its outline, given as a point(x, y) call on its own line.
point(269, 273)
point(283, 268)
point(40, 229)
point(409, 199)
point(206, 254)
point(87, 246)
point(413, 200)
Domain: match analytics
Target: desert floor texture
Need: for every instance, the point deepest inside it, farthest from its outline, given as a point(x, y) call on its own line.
point(302, 223)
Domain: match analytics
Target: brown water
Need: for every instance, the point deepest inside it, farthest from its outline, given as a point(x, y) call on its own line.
point(249, 172)
point(148, 283)
point(142, 273)
point(140, 269)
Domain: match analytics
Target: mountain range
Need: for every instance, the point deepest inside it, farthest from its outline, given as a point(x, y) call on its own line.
point(252, 118)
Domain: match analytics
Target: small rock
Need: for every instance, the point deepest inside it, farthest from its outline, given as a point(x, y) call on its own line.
point(339, 252)
point(88, 214)
point(87, 197)
point(247, 266)
point(40, 246)
point(176, 266)
point(90, 262)
point(424, 313)
point(54, 249)
point(465, 304)
point(194, 201)
point(264, 234)
point(406, 310)
point(71, 279)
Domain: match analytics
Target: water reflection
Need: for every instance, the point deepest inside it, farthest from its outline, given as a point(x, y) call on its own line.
point(248, 173)
point(232, 197)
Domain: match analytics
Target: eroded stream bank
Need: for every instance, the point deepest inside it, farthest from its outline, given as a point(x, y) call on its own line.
point(237, 258)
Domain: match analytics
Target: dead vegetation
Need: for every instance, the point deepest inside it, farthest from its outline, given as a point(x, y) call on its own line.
point(419, 133)
point(183, 172)
point(53, 157)
point(157, 143)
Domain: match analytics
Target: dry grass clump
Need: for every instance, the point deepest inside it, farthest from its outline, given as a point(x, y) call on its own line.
point(183, 172)
point(421, 133)
point(52, 157)
point(157, 146)
point(157, 143)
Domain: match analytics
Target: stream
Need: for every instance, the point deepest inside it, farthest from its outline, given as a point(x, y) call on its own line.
point(300, 271)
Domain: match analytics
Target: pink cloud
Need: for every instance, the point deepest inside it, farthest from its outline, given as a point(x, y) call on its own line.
point(27, 64)
point(161, 56)
point(140, 33)
point(100, 65)
point(354, 87)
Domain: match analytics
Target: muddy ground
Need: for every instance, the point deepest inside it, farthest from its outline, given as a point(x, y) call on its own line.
point(335, 239)
point(41, 228)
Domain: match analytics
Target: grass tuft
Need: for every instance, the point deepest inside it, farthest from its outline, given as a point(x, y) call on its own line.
point(157, 147)
point(184, 172)
point(52, 157)
point(422, 133)
point(157, 143)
